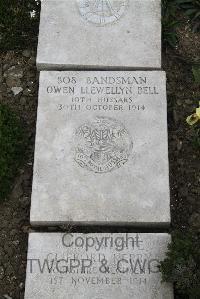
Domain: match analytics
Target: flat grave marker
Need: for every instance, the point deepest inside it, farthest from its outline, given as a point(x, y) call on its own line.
point(99, 34)
point(101, 154)
point(96, 266)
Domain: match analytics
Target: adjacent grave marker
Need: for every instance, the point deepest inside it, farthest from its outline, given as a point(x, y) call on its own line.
point(99, 34)
point(96, 266)
point(101, 154)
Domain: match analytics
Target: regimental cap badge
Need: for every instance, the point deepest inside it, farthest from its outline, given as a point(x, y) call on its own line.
point(102, 145)
point(102, 12)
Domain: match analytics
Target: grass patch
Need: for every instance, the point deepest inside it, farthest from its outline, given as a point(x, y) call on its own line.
point(18, 23)
point(12, 148)
point(196, 137)
point(169, 22)
point(182, 264)
point(170, 11)
point(196, 73)
point(192, 9)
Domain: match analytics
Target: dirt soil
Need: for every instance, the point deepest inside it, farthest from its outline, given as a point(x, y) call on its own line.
point(18, 70)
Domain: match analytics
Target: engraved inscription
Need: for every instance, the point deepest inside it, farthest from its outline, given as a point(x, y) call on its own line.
point(106, 260)
point(102, 145)
point(102, 12)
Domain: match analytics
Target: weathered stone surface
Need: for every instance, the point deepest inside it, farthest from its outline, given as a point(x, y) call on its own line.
point(101, 152)
point(96, 266)
point(77, 34)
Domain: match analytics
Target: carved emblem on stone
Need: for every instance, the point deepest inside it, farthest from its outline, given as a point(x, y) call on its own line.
point(102, 145)
point(102, 12)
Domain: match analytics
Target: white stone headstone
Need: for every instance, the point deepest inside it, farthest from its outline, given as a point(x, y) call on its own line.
point(101, 154)
point(99, 34)
point(96, 266)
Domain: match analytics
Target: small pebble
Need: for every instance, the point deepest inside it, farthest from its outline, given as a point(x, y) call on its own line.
point(16, 90)
point(26, 53)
